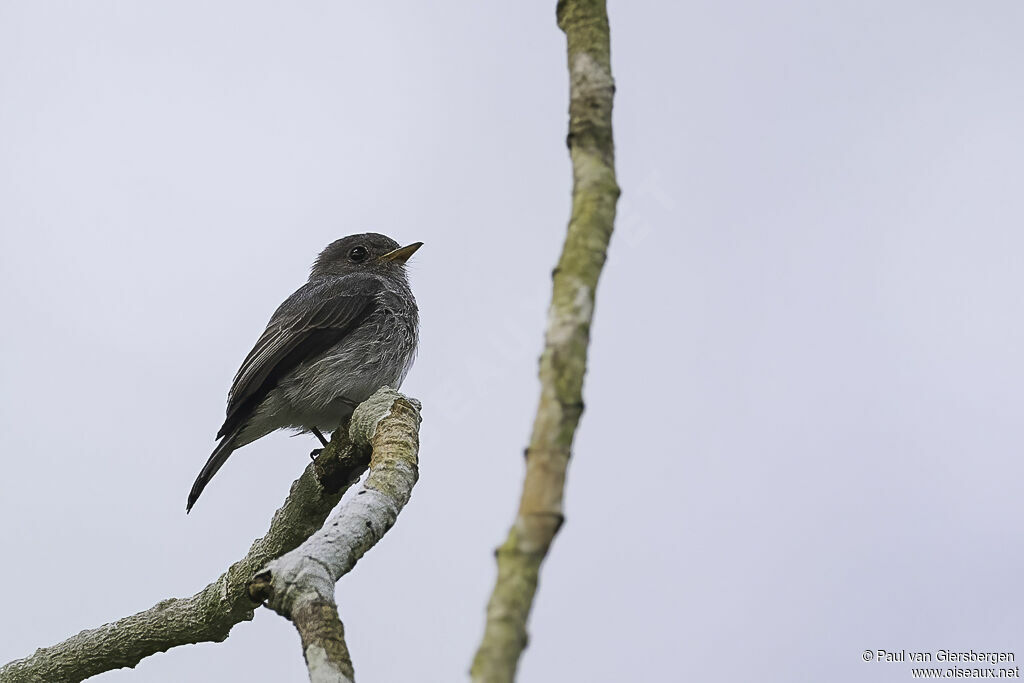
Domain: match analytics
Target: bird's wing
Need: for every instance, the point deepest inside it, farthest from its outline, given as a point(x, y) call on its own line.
point(309, 322)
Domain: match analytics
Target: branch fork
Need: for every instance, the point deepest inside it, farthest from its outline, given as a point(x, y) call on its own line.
point(300, 584)
point(388, 424)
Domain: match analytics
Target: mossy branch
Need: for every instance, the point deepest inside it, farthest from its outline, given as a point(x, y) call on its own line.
point(563, 361)
point(210, 614)
point(300, 584)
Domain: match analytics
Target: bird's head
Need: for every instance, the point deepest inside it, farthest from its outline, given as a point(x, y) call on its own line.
point(369, 252)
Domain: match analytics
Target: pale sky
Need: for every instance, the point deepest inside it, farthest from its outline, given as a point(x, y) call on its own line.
point(802, 437)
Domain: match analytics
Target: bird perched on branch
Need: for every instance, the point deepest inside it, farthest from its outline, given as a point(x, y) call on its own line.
point(351, 329)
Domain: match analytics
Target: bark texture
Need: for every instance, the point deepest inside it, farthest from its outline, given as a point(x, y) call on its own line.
point(563, 361)
point(300, 584)
point(210, 614)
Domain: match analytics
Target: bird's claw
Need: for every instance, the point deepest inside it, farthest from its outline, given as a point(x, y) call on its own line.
point(315, 453)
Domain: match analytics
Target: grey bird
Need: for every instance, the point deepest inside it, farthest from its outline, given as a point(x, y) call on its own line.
point(351, 329)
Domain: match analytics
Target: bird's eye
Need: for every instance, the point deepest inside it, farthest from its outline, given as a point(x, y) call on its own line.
point(358, 254)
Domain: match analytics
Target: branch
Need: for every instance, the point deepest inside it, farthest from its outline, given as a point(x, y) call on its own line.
point(300, 585)
point(210, 614)
point(563, 361)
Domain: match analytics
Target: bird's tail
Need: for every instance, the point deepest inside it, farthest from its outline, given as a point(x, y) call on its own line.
point(219, 456)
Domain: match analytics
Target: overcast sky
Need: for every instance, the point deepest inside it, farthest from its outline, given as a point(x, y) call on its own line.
point(803, 427)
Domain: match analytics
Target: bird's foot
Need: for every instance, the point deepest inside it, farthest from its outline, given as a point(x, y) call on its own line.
point(315, 453)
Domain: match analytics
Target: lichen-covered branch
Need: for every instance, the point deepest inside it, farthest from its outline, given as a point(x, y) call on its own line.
point(563, 361)
point(210, 614)
point(300, 584)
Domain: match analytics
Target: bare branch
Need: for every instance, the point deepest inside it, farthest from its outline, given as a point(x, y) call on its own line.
point(300, 584)
point(210, 614)
point(563, 362)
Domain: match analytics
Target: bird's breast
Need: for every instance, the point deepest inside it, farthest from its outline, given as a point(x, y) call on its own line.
point(378, 352)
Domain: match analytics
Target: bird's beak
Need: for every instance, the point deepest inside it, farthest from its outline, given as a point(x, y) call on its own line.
point(402, 254)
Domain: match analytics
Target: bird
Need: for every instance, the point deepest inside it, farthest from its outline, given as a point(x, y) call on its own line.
point(351, 329)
